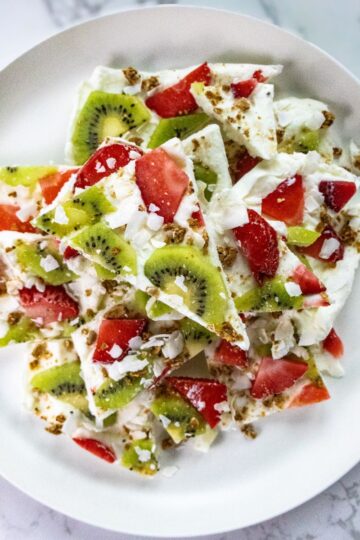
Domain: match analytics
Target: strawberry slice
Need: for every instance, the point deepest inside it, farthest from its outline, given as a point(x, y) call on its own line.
point(105, 161)
point(244, 165)
point(98, 448)
point(327, 247)
point(51, 305)
point(259, 76)
point(333, 344)
point(244, 89)
point(10, 222)
point(307, 281)
point(258, 242)
point(197, 215)
point(52, 183)
point(310, 394)
point(162, 182)
point(113, 339)
point(337, 193)
point(203, 394)
point(70, 253)
point(275, 376)
point(177, 99)
point(230, 355)
point(286, 202)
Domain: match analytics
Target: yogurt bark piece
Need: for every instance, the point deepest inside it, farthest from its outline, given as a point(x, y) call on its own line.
point(157, 99)
point(145, 225)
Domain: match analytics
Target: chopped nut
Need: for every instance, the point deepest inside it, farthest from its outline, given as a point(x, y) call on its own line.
point(174, 234)
point(329, 119)
point(117, 312)
point(149, 84)
point(227, 255)
point(132, 75)
point(90, 340)
point(14, 317)
point(337, 152)
point(249, 431)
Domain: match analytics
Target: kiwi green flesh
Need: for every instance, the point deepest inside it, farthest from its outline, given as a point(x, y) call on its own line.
point(29, 257)
point(64, 383)
point(27, 176)
point(184, 420)
point(179, 126)
point(196, 336)
point(117, 394)
point(206, 175)
point(21, 332)
point(271, 297)
point(300, 236)
point(107, 248)
point(84, 209)
point(130, 458)
point(105, 115)
point(206, 295)
point(103, 273)
point(158, 309)
point(304, 142)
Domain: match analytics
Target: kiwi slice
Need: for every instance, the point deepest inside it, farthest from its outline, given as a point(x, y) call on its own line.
point(205, 292)
point(105, 115)
point(158, 309)
point(272, 296)
point(64, 383)
point(179, 126)
point(299, 236)
point(139, 456)
point(117, 394)
point(25, 176)
point(206, 175)
point(30, 257)
point(103, 273)
point(307, 141)
point(107, 248)
point(178, 417)
point(84, 209)
point(140, 301)
point(20, 332)
point(196, 336)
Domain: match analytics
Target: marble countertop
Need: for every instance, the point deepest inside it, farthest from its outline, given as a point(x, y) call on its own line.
point(333, 515)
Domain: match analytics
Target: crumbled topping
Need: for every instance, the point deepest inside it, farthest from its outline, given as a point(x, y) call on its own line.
point(149, 84)
point(227, 255)
point(132, 75)
point(249, 431)
point(329, 119)
point(174, 234)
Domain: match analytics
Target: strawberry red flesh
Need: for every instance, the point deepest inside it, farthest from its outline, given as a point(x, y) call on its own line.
point(309, 395)
point(307, 281)
point(258, 242)
point(52, 183)
point(333, 344)
point(197, 215)
point(259, 76)
point(244, 165)
point(203, 394)
point(316, 249)
point(244, 89)
point(51, 305)
point(116, 332)
point(276, 376)
point(230, 355)
point(105, 161)
point(177, 99)
point(162, 182)
point(286, 202)
point(9, 221)
point(70, 253)
point(337, 193)
point(98, 448)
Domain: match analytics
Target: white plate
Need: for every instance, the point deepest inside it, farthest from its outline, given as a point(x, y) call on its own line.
point(239, 483)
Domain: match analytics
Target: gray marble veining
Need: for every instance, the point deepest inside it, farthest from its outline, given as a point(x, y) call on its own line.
point(332, 515)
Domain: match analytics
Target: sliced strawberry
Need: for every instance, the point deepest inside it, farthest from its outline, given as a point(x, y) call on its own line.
point(333, 344)
point(286, 202)
point(276, 376)
point(52, 183)
point(258, 75)
point(10, 222)
point(98, 448)
point(243, 89)
point(203, 394)
point(197, 215)
point(70, 253)
point(258, 242)
point(230, 355)
point(113, 339)
point(105, 161)
point(310, 394)
point(244, 165)
point(337, 193)
point(307, 281)
point(162, 182)
point(51, 305)
point(328, 239)
point(177, 99)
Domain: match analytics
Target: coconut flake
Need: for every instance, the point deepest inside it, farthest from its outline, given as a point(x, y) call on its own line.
point(49, 263)
point(164, 420)
point(135, 343)
point(330, 245)
point(179, 281)
point(174, 345)
point(153, 207)
point(133, 154)
point(115, 351)
point(118, 369)
point(111, 163)
point(293, 289)
point(99, 167)
point(60, 216)
point(143, 454)
point(169, 472)
point(154, 221)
